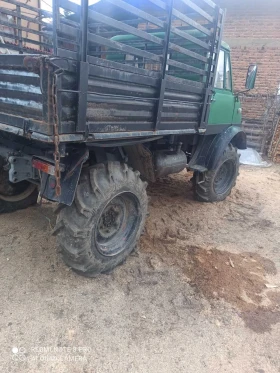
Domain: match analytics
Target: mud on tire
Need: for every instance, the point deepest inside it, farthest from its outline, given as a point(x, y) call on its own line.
point(216, 185)
point(105, 221)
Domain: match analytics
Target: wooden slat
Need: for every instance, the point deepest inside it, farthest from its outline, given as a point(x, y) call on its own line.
point(140, 13)
point(191, 22)
point(68, 30)
point(67, 41)
point(124, 27)
point(185, 126)
point(182, 17)
point(17, 48)
point(69, 5)
point(99, 40)
point(22, 16)
point(65, 53)
point(29, 7)
point(185, 116)
point(159, 3)
point(17, 27)
point(187, 36)
point(108, 73)
point(31, 41)
point(186, 67)
point(197, 9)
point(186, 81)
point(109, 127)
point(125, 100)
point(21, 95)
point(122, 67)
point(24, 79)
point(210, 3)
point(187, 52)
point(102, 114)
point(15, 61)
point(184, 85)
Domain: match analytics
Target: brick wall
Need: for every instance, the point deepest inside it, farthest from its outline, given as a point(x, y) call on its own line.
point(252, 29)
point(274, 152)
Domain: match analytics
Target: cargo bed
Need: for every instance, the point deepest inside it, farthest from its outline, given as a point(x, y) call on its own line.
point(114, 69)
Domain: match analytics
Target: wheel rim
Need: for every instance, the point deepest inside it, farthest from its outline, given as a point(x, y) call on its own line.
point(118, 224)
point(224, 176)
point(14, 192)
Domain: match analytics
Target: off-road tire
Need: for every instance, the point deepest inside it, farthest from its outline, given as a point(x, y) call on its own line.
point(78, 225)
point(205, 184)
point(20, 201)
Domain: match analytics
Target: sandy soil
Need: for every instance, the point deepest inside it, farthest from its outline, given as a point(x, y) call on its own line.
point(202, 294)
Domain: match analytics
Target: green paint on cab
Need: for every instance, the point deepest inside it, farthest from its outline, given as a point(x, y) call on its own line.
point(225, 106)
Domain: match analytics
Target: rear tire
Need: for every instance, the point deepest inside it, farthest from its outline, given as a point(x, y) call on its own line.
point(17, 196)
point(105, 221)
point(216, 185)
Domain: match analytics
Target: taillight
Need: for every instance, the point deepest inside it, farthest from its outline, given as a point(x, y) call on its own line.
point(43, 166)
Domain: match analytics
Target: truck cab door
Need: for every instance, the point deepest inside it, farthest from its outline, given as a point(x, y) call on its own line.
point(224, 110)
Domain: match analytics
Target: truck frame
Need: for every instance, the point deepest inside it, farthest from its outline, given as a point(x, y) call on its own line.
point(112, 96)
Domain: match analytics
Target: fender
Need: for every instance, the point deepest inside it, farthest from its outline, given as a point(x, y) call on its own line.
point(211, 148)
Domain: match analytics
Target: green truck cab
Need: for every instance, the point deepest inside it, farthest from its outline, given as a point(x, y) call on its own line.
point(226, 106)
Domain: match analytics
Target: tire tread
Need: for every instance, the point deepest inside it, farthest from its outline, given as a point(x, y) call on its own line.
point(73, 234)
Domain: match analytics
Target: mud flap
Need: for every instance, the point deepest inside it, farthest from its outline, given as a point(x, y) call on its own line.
point(69, 179)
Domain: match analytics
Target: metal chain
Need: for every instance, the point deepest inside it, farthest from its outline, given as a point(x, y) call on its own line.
point(56, 140)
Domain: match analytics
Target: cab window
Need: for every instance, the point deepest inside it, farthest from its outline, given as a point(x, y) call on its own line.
point(227, 72)
point(219, 80)
point(223, 76)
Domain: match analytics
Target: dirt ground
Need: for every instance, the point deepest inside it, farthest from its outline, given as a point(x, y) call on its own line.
point(202, 294)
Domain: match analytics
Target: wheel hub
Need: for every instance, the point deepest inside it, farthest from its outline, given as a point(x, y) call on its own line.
point(110, 220)
point(118, 224)
point(224, 177)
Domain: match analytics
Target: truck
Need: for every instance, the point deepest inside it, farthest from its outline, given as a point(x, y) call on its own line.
point(99, 100)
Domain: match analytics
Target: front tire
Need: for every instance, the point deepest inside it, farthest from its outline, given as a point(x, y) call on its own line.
point(216, 185)
point(105, 221)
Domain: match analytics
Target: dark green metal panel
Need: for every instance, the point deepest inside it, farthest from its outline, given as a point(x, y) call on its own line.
point(225, 106)
point(222, 107)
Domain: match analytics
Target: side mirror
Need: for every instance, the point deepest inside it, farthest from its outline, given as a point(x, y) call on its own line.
point(251, 77)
